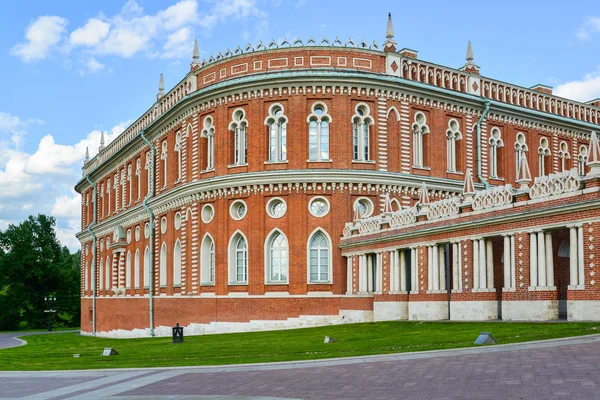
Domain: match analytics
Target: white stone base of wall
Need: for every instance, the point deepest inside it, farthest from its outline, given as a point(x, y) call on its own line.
point(304, 321)
point(427, 310)
point(530, 310)
point(473, 310)
point(583, 310)
point(390, 310)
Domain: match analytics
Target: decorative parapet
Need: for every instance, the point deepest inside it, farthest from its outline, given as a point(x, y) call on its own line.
point(492, 198)
point(445, 208)
point(370, 225)
point(555, 184)
point(408, 216)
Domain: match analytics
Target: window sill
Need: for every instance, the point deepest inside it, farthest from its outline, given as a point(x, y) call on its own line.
point(208, 170)
point(363, 162)
point(319, 161)
point(319, 283)
point(238, 283)
point(207, 284)
point(275, 283)
point(237, 165)
point(276, 162)
point(422, 168)
point(455, 172)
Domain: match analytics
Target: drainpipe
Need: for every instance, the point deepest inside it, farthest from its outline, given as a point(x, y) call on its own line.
point(89, 229)
point(478, 124)
point(151, 236)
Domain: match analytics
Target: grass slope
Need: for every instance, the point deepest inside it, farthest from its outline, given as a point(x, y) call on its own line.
point(55, 352)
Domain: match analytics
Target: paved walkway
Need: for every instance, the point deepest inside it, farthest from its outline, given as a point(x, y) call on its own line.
point(557, 369)
point(11, 340)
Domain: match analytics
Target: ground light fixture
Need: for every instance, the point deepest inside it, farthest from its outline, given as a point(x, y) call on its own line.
point(485, 338)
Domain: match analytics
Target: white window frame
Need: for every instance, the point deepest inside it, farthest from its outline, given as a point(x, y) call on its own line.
point(269, 259)
point(207, 260)
point(582, 158)
point(319, 134)
point(543, 152)
point(208, 132)
point(370, 206)
point(148, 167)
point(234, 207)
point(495, 143)
point(453, 135)
point(330, 257)
point(177, 149)
point(146, 267)
point(521, 150)
point(419, 129)
point(239, 126)
point(136, 269)
point(138, 174)
point(233, 257)
point(163, 156)
point(277, 133)
point(361, 130)
point(177, 267)
point(270, 205)
point(163, 265)
point(563, 155)
point(315, 199)
point(128, 271)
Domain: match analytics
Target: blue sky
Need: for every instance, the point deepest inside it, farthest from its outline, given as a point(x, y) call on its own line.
point(71, 69)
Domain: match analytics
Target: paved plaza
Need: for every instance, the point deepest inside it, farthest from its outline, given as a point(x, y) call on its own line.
point(557, 369)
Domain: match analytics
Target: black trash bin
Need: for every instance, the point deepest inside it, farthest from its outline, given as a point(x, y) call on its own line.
point(178, 334)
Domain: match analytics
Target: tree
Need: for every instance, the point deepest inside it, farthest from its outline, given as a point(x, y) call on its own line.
point(34, 265)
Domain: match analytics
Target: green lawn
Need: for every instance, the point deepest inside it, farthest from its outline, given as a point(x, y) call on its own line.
point(41, 330)
point(54, 352)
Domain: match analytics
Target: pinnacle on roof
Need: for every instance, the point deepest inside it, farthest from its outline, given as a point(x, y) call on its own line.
point(424, 197)
point(390, 44)
point(101, 142)
point(357, 214)
point(387, 205)
point(594, 154)
point(469, 186)
point(196, 54)
point(389, 30)
point(470, 56)
point(470, 66)
point(87, 155)
point(161, 87)
point(523, 174)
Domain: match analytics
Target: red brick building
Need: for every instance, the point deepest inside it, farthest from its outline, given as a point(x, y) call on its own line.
point(306, 183)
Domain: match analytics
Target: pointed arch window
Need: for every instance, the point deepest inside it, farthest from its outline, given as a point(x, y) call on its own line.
point(108, 195)
point(520, 149)
point(163, 265)
point(419, 129)
point(146, 267)
point(130, 181)
point(277, 126)
point(318, 133)
point(123, 183)
point(136, 269)
point(177, 264)
point(319, 258)
point(148, 167)
point(239, 129)
point(544, 153)
point(361, 123)
point(128, 271)
point(208, 132)
point(138, 176)
point(453, 135)
point(277, 258)
point(207, 266)
point(107, 269)
point(101, 274)
point(564, 156)
point(496, 145)
point(582, 159)
point(102, 201)
point(163, 156)
point(177, 149)
point(238, 259)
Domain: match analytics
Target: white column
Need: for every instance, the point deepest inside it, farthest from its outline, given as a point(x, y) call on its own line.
point(580, 260)
point(455, 267)
point(549, 260)
point(460, 266)
point(363, 274)
point(482, 264)
point(436, 268)
point(379, 273)
point(370, 273)
point(542, 281)
point(392, 266)
point(475, 264)
point(533, 261)
point(429, 268)
point(573, 256)
point(414, 273)
point(513, 277)
point(402, 276)
point(442, 267)
point(507, 263)
point(349, 275)
point(490, 264)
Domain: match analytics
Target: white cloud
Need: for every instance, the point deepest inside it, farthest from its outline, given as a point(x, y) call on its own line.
point(178, 15)
point(230, 9)
point(590, 26)
point(42, 35)
point(67, 206)
point(585, 89)
point(94, 65)
point(92, 33)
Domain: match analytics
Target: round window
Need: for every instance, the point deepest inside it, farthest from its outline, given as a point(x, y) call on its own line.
point(365, 206)
point(319, 206)
point(276, 207)
point(163, 225)
point(208, 213)
point(177, 221)
point(238, 210)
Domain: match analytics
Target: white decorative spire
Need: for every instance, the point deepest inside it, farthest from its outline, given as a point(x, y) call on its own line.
point(468, 187)
point(423, 199)
point(524, 174)
point(161, 87)
point(87, 155)
point(470, 56)
point(470, 66)
point(387, 204)
point(195, 55)
point(594, 155)
point(357, 214)
point(390, 44)
point(101, 142)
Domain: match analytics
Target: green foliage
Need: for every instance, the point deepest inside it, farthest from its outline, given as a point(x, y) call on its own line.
point(55, 352)
point(33, 265)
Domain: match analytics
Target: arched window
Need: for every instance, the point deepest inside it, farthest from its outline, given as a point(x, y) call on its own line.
point(177, 264)
point(108, 194)
point(277, 258)
point(163, 265)
point(318, 133)
point(496, 144)
point(207, 264)
point(146, 267)
point(85, 276)
point(563, 155)
point(582, 158)
point(102, 201)
point(123, 182)
point(208, 132)
point(177, 149)
point(453, 135)
point(419, 129)
point(107, 276)
point(148, 167)
point(163, 156)
point(277, 125)
point(136, 269)
point(361, 122)
point(138, 175)
point(520, 150)
point(238, 259)
point(130, 180)
point(101, 274)
point(544, 153)
point(128, 271)
point(319, 258)
point(239, 129)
